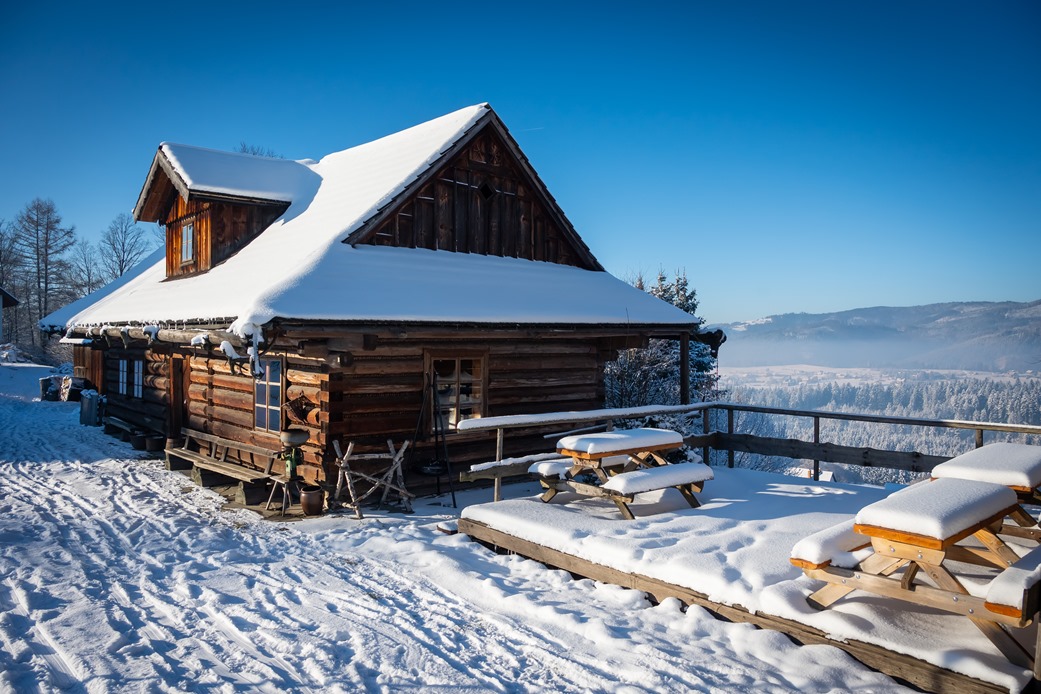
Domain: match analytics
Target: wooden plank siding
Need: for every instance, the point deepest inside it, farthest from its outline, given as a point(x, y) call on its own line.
point(481, 203)
point(220, 228)
point(89, 364)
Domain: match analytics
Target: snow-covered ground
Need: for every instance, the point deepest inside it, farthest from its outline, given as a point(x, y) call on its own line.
point(117, 575)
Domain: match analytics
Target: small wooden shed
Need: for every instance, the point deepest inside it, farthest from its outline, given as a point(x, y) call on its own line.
point(330, 294)
point(7, 300)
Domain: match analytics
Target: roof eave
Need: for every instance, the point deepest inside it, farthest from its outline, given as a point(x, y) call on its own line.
point(160, 163)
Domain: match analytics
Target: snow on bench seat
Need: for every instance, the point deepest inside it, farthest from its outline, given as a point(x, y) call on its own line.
point(648, 479)
point(1008, 592)
point(608, 442)
point(1015, 465)
point(831, 546)
point(511, 462)
point(558, 467)
point(941, 509)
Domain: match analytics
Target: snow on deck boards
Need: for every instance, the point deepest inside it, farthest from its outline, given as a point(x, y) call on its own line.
point(734, 550)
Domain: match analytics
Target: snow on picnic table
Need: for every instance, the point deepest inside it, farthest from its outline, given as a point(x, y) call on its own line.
point(117, 575)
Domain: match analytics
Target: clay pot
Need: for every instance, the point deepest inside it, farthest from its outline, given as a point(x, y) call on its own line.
point(137, 440)
point(294, 437)
point(312, 500)
point(155, 443)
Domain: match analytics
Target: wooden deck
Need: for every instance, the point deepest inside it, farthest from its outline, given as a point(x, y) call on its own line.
point(903, 668)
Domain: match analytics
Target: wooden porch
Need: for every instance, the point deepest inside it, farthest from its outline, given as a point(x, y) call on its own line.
point(721, 441)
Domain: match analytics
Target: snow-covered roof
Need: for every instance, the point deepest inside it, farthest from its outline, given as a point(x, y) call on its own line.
point(299, 268)
point(230, 173)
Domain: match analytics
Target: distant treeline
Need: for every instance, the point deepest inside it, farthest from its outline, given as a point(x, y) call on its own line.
point(1013, 401)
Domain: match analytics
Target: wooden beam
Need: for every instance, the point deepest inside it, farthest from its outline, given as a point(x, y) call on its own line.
point(865, 457)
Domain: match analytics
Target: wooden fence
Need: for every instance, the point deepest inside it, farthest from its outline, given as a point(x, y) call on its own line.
point(732, 441)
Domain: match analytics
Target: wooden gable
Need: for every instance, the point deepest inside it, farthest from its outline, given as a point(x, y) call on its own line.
point(219, 224)
point(484, 198)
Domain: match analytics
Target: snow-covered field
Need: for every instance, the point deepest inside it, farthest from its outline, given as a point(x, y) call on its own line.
point(117, 575)
point(794, 375)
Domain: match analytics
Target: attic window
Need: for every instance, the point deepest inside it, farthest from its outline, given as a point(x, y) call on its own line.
point(187, 243)
point(486, 191)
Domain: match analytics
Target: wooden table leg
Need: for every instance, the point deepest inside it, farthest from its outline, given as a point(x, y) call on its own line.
point(996, 545)
point(1002, 640)
point(689, 496)
point(875, 564)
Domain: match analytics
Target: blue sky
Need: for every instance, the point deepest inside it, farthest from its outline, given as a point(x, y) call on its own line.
point(796, 156)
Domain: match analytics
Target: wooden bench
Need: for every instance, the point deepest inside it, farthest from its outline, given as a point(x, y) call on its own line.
point(114, 424)
point(1013, 465)
point(686, 477)
point(208, 457)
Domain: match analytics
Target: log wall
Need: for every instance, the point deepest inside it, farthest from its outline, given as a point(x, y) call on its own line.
point(149, 412)
point(340, 384)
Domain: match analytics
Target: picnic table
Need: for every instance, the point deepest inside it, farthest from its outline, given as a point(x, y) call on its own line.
point(924, 531)
point(644, 468)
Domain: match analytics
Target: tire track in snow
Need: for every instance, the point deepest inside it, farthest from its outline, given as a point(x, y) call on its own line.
point(444, 624)
point(61, 669)
point(103, 551)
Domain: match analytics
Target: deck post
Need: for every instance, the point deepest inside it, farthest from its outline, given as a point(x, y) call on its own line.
point(500, 434)
point(685, 369)
point(979, 438)
point(730, 430)
point(1037, 651)
point(816, 439)
point(705, 451)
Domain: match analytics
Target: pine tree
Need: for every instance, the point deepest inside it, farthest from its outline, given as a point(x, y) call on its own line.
point(651, 376)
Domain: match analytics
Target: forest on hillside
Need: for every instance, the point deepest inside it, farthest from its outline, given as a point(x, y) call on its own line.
point(1012, 400)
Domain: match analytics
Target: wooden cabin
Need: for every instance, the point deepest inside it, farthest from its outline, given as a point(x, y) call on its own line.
point(331, 295)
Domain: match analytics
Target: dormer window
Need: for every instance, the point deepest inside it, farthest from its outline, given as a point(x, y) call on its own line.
point(187, 243)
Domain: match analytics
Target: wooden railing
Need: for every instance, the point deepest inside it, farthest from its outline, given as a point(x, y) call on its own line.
point(732, 441)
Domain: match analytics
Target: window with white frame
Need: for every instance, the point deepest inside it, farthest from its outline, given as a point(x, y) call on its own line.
point(130, 378)
point(267, 401)
point(121, 375)
point(187, 243)
point(460, 387)
point(138, 383)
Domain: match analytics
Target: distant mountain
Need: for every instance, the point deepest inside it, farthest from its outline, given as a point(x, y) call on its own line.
point(981, 336)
